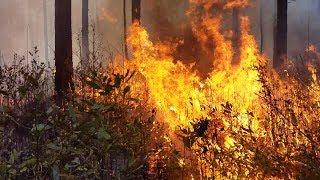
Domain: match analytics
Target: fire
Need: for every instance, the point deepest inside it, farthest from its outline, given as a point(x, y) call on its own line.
point(178, 92)
point(173, 87)
point(182, 96)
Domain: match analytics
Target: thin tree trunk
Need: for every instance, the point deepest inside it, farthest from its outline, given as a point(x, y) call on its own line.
point(125, 29)
point(1, 60)
point(27, 35)
point(309, 26)
point(136, 11)
point(45, 31)
point(97, 15)
point(261, 27)
point(63, 49)
point(280, 45)
point(85, 34)
point(236, 34)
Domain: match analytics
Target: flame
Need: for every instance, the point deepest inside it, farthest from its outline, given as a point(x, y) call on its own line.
point(173, 87)
point(236, 4)
point(181, 96)
point(178, 92)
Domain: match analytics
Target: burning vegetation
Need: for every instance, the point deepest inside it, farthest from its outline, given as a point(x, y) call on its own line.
point(154, 116)
point(243, 120)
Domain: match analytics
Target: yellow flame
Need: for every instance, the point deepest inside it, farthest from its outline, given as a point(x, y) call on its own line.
point(179, 94)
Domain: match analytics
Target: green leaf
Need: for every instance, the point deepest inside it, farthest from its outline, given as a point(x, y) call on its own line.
point(50, 110)
point(103, 134)
point(13, 156)
point(28, 163)
point(72, 113)
point(23, 90)
point(55, 173)
point(53, 146)
point(41, 127)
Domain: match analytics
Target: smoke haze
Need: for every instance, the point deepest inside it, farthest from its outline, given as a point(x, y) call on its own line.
point(22, 23)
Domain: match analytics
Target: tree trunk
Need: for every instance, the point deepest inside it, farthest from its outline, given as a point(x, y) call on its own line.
point(136, 11)
point(45, 31)
point(63, 49)
point(85, 34)
point(96, 16)
point(261, 27)
point(125, 29)
point(1, 60)
point(236, 35)
point(280, 44)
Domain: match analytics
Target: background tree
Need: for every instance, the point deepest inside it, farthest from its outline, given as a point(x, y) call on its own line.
point(45, 31)
point(236, 34)
point(136, 11)
point(261, 27)
point(281, 29)
point(63, 48)
point(125, 29)
point(85, 33)
point(1, 59)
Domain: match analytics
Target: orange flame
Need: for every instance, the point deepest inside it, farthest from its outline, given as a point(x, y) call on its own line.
point(179, 94)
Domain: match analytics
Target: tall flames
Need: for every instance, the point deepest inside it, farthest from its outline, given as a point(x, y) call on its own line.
point(177, 90)
point(182, 96)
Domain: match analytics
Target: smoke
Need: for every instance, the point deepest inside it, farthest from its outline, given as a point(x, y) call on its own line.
point(22, 24)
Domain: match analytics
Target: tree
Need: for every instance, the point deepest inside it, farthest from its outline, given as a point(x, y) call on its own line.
point(1, 59)
point(236, 34)
point(45, 31)
point(280, 39)
point(125, 29)
point(85, 34)
point(136, 11)
point(261, 27)
point(63, 49)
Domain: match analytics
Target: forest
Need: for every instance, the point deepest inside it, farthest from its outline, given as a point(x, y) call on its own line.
point(159, 89)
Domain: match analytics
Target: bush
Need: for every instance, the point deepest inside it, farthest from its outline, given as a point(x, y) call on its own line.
point(101, 131)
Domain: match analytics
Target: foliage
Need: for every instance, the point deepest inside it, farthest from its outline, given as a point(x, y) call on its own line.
point(105, 131)
point(101, 131)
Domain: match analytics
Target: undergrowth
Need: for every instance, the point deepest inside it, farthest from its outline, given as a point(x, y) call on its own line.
point(104, 131)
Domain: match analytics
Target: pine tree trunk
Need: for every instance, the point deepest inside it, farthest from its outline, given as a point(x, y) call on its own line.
point(136, 11)
point(280, 44)
point(85, 34)
point(45, 31)
point(125, 29)
point(261, 27)
point(63, 49)
point(1, 62)
point(236, 35)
